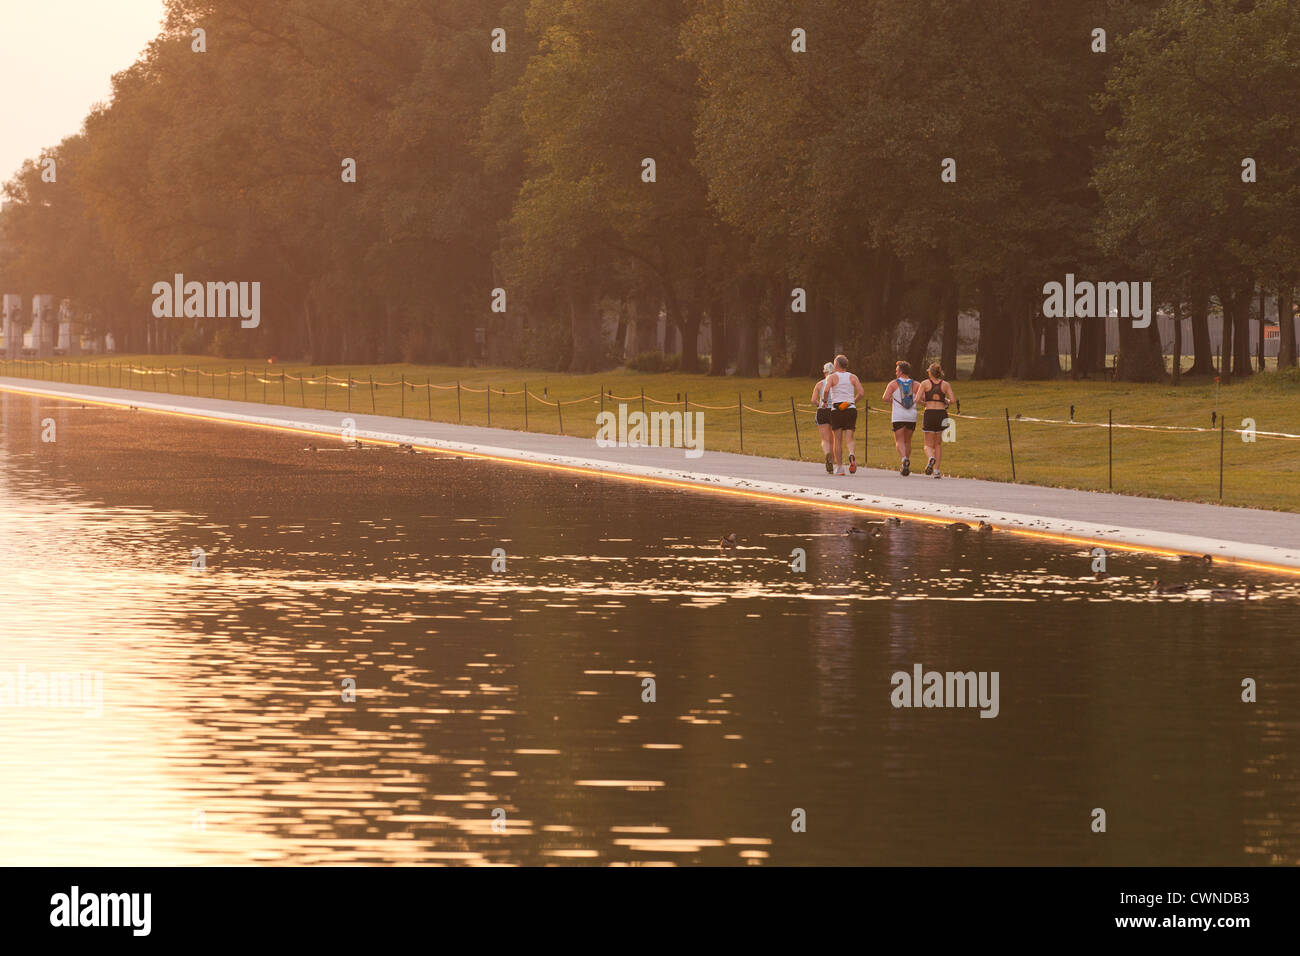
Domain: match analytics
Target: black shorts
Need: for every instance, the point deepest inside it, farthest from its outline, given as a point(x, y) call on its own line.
point(823, 416)
point(844, 419)
point(934, 419)
point(910, 426)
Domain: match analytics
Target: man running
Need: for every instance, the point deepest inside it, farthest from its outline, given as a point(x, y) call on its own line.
point(845, 390)
point(901, 394)
point(936, 396)
point(821, 397)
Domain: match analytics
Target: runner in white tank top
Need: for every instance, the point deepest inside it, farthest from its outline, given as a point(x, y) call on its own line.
point(845, 392)
point(902, 418)
point(842, 390)
point(900, 414)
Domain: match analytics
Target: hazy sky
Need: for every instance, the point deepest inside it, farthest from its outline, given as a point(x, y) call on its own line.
point(56, 59)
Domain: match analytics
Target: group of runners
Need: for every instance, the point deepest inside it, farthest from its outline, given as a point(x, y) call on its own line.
point(837, 395)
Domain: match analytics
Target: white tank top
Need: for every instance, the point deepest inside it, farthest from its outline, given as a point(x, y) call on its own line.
point(842, 389)
point(901, 414)
point(824, 400)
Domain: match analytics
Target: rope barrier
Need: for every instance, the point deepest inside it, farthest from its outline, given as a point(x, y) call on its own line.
point(326, 380)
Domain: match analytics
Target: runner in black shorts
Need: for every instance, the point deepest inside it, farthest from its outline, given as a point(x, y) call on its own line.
point(902, 397)
point(844, 391)
point(936, 395)
point(821, 397)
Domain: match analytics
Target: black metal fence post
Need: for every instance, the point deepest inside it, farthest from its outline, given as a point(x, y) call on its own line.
point(1011, 446)
point(794, 416)
point(740, 411)
point(1221, 434)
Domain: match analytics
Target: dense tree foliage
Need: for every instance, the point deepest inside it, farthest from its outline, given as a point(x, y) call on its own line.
point(531, 174)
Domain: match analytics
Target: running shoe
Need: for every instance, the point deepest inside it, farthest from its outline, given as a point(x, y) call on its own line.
point(929, 469)
point(938, 474)
point(840, 473)
point(907, 467)
point(830, 464)
point(853, 465)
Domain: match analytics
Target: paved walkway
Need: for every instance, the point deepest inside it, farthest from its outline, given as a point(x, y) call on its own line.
point(1243, 536)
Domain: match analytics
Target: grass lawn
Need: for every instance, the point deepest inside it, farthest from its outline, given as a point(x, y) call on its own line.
point(1183, 465)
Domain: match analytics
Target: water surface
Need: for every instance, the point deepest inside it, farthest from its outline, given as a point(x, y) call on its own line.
point(224, 736)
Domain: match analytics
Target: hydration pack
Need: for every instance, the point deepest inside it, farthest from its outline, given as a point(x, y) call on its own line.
point(906, 398)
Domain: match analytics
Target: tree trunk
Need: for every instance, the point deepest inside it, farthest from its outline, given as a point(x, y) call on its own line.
point(918, 345)
point(1140, 357)
point(1225, 343)
point(620, 334)
point(950, 310)
point(1178, 342)
point(1091, 356)
point(1202, 350)
point(882, 290)
point(1241, 335)
point(1026, 347)
point(718, 358)
point(1259, 349)
point(687, 321)
point(750, 326)
point(690, 332)
point(1051, 360)
point(1286, 350)
point(643, 328)
point(779, 298)
point(309, 328)
point(584, 328)
point(993, 354)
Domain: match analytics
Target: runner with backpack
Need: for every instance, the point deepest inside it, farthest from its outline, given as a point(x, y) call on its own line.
point(901, 393)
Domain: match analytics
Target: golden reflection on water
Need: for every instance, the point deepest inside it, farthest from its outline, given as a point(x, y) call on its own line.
point(224, 736)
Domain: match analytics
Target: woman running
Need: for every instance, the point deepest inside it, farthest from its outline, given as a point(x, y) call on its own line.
point(821, 397)
point(936, 396)
point(901, 394)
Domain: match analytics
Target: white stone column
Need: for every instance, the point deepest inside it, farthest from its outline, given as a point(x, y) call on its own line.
point(45, 325)
point(13, 326)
